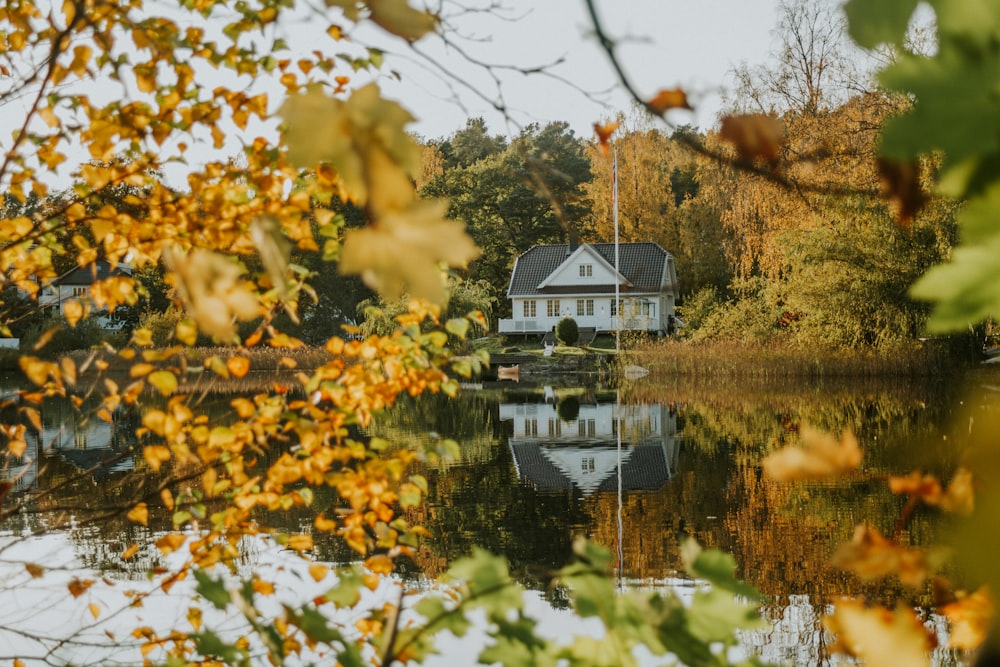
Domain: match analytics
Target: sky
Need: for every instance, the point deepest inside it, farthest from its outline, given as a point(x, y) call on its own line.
point(693, 44)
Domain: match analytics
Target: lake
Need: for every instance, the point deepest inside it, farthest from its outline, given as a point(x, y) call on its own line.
point(637, 468)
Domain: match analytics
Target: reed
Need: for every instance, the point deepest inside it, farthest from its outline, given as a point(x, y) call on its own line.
point(734, 359)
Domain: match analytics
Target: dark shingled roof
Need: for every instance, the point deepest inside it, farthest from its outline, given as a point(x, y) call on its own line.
point(88, 275)
point(642, 264)
point(646, 469)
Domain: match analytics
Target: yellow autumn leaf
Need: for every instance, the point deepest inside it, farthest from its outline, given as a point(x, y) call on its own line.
point(186, 332)
point(878, 636)
point(194, 616)
point(959, 498)
point(273, 248)
point(73, 311)
point(970, 617)
point(95, 609)
point(139, 514)
point(300, 542)
point(379, 564)
point(318, 571)
point(155, 456)
point(343, 134)
point(164, 381)
point(870, 555)
point(238, 366)
point(213, 290)
point(821, 456)
point(17, 447)
point(397, 17)
point(36, 370)
point(138, 370)
point(405, 251)
point(263, 587)
point(170, 542)
point(132, 550)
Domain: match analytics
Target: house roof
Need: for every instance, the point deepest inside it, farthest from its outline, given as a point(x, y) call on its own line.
point(88, 275)
point(642, 264)
point(645, 468)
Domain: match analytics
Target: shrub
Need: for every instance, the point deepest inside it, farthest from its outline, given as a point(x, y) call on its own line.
point(567, 331)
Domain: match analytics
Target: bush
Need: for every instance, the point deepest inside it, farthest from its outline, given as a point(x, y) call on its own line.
point(567, 331)
point(57, 337)
point(161, 325)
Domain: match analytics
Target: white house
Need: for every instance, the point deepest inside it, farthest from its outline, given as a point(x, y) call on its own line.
point(75, 285)
point(550, 282)
point(550, 452)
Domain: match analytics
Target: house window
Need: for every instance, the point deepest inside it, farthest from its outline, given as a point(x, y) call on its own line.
point(586, 270)
point(587, 464)
point(79, 291)
point(590, 307)
point(615, 305)
point(584, 307)
point(552, 307)
point(529, 309)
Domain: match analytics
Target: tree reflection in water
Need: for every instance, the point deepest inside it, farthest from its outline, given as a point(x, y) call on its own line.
point(540, 468)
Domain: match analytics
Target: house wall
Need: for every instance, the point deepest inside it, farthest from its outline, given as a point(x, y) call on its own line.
point(642, 313)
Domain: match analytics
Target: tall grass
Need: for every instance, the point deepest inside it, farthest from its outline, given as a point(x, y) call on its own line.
point(734, 359)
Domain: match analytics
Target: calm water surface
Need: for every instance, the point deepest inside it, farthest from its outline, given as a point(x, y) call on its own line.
point(637, 469)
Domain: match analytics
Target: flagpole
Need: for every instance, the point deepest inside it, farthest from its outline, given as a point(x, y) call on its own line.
point(614, 202)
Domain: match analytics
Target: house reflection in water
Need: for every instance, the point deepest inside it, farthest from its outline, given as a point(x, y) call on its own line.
point(89, 445)
point(559, 449)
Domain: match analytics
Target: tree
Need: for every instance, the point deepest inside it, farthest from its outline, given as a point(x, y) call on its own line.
point(531, 192)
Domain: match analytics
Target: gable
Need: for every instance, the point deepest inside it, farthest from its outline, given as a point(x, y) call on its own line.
point(583, 270)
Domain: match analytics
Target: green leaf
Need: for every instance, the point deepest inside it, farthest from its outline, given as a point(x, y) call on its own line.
point(871, 22)
point(966, 290)
point(719, 569)
point(458, 326)
point(443, 616)
point(213, 590)
point(715, 615)
point(489, 583)
point(209, 644)
point(315, 626)
point(347, 592)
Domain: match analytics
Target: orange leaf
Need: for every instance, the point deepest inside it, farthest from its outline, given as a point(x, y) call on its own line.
point(238, 366)
point(131, 551)
point(34, 570)
point(78, 587)
point(880, 637)
point(318, 571)
point(604, 133)
point(970, 617)
point(155, 456)
point(925, 487)
point(300, 542)
point(380, 564)
point(870, 555)
point(960, 497)
point(901, 184)
point(755, 136)
point(668, 98)
point(263, 587)
point(822, 456)
point(139, 514)
point(170, 542)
